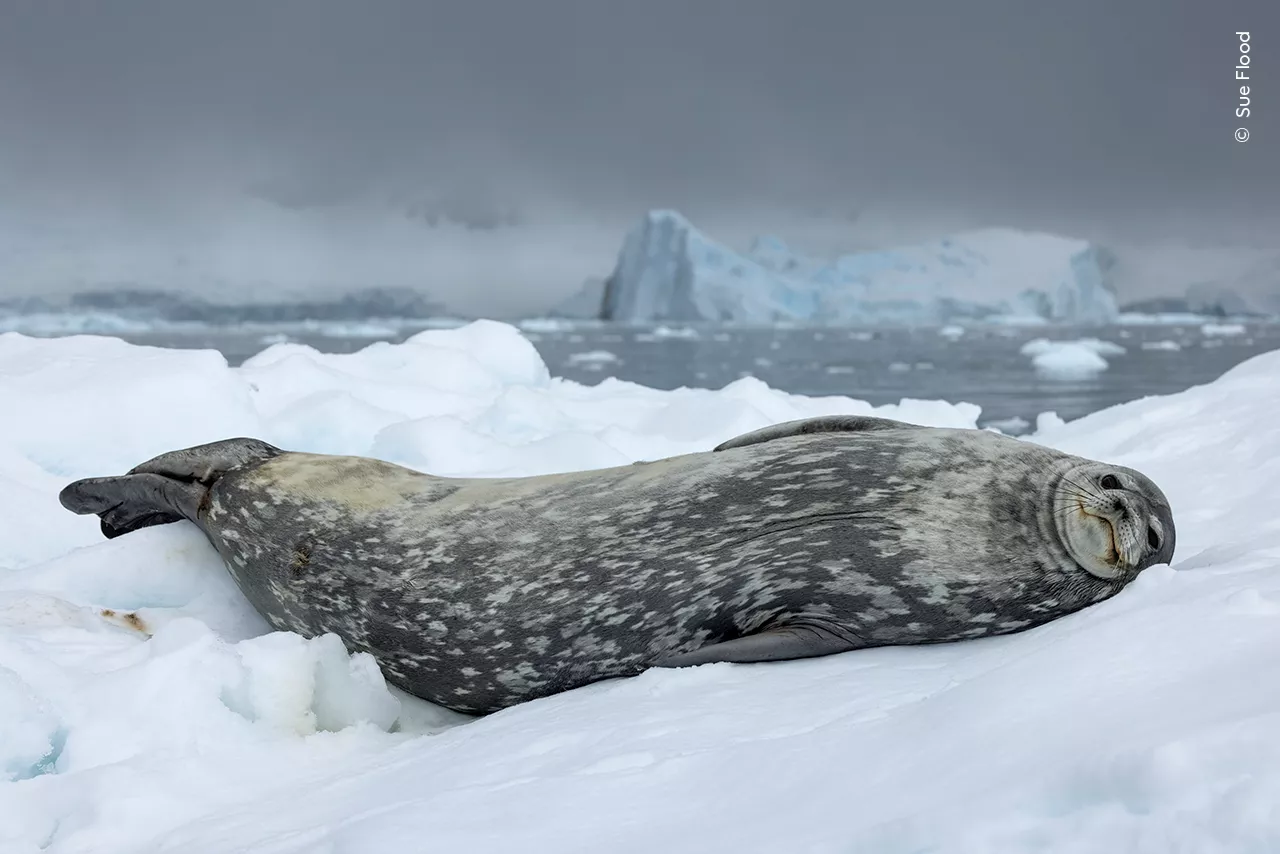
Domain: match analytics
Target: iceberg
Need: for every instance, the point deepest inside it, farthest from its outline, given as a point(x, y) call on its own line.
point(669, 270)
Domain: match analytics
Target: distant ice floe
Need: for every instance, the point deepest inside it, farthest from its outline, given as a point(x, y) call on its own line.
point(592, 359)
point(1016, 320)
point(1095, 345)
point(1222, 330)
point(57, 323)
point(49, 324)
point(1070, 360)
point(666, 333)
point(1170, 346)
point(674, 332)
point(549, 324)
point(1130, 318)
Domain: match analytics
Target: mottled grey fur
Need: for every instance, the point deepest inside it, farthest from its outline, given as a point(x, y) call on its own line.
point(803, 539)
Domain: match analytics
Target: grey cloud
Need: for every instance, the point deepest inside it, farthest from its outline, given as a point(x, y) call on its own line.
point(1088, 116)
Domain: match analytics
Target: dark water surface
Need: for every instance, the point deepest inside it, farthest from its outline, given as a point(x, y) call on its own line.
point(982, 366)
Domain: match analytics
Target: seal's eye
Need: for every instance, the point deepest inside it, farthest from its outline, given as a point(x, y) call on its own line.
point(1109, 481)
point(1153, 539)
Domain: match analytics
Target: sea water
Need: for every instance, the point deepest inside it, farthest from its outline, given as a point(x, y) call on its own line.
point(977, 364)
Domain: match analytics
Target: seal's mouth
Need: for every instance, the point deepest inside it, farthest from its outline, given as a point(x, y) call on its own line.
point(1113, 551)
point(1113, 554)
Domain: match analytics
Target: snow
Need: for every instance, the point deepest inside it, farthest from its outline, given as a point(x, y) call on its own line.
point(144, 707)
point(1070, 360)
point(668, 270)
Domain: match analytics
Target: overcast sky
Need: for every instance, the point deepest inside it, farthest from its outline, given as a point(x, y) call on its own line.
point(572, 118)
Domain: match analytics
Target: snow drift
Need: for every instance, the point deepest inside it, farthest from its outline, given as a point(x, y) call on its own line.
point(145, 708)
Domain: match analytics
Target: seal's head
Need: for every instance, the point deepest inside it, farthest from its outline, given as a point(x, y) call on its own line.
point(1113, 520)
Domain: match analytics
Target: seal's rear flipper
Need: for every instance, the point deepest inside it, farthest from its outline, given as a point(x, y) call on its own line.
point(133, 501)
point(784, 643)
point(207, 463)
point(167, 488)
point(809, 426)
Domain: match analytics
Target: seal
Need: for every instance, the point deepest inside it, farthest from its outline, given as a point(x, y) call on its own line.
point(803, 539)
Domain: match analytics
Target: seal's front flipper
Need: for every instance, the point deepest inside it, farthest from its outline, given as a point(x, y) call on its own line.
point(809, 426)
point(784, 643)
point(206, 463)
point(133, 501)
